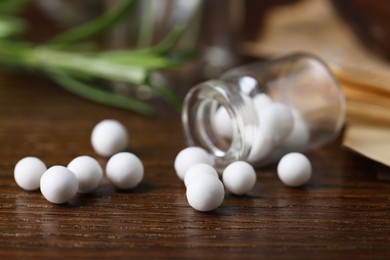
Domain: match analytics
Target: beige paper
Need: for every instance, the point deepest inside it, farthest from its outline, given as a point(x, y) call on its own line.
point(370, 141)
point(313, 26)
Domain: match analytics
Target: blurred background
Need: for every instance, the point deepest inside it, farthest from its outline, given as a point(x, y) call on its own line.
point(351, 36)
point(227, 29)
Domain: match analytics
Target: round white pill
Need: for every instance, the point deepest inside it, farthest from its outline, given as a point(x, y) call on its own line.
point(28, 172)
point(189, 157)
point(125, 170)
point(88, 171)
point(294, 169)
point(222, 123)
point(59, 184)
point(109, 137)
point(205, 193)
point(276, 121)
point(299, 136)
point(261, 100)
point(260, 146)
point(239, 177)
point(198, 170)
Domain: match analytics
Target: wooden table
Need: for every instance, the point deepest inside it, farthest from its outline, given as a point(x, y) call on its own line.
point(344, 211)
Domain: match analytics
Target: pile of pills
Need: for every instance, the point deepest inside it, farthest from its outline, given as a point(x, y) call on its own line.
point(281, 129)
point(59, 184)
point(204, 189)
point(277, 130)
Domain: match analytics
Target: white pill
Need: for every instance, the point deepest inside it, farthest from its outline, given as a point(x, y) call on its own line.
point(276, 121)
point(260, 145)
point(189, 157)
point(261, 100)
point(247, 84)
point(239, 177)
point(299, 136)
point(28, 172)
point(125, 170)
point(294, 169)
point(198, 170)
point(109, 137)
point(88, 171)
point(205, 193)
point(222, 123)
point(59, 184)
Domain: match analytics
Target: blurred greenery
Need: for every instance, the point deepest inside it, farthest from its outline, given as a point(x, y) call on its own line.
point(82, 72)
point(13, 6)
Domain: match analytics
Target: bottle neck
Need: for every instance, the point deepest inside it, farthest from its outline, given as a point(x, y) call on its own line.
point(203, 125)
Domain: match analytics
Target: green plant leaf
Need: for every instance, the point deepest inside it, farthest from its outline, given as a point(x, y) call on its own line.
point(147, 24)
point(170, 40)
point(161, 48)
point(94, 27)
point(80, 64)
point(12, 6)
point(10, 26)
point(148, 61)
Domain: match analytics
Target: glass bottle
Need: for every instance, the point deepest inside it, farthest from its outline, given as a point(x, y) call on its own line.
point(261, 111)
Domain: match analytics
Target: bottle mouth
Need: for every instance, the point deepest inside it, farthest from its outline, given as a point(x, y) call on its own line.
point(219, 133)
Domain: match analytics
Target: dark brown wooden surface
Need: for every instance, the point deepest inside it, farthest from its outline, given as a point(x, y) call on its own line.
point(344, 210)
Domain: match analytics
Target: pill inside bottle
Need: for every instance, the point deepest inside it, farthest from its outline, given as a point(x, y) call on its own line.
point(261, 111)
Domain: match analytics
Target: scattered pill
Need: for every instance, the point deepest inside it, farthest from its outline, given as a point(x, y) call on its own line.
point(28, 172)
point(222, 123)
point(189, 157)
point(276, 121)
point(239, 177)
point(294, 169)
point(59, 184)
point(199, 170)
point(109, 137)
point(205, 193)
point(88, 171)
point(125, 170)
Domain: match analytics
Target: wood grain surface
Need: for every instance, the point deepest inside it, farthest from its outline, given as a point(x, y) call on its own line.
point(343, 212)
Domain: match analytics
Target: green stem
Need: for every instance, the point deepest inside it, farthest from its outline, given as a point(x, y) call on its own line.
point(77, 64)
point(80, 64)
point(94, 27)
point(161, 48)
point(14, 53)
point(143, 60)
point(170, 40)
point(146, 30)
